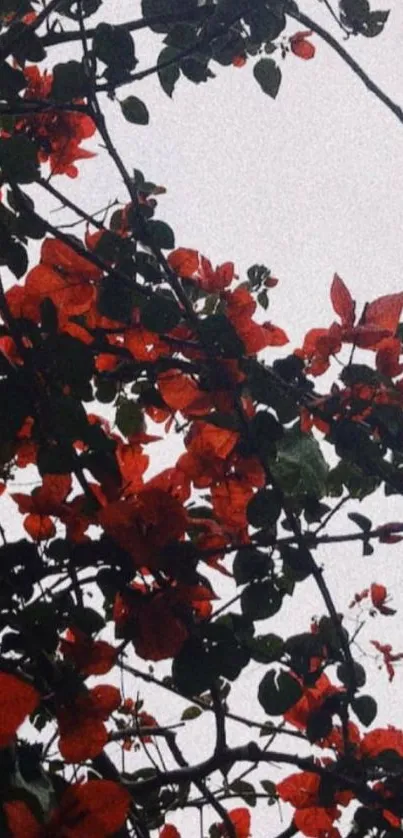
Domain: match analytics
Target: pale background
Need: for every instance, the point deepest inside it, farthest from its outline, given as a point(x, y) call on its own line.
point(309, 184)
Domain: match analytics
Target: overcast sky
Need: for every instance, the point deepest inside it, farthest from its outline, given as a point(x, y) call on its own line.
point(309, 184)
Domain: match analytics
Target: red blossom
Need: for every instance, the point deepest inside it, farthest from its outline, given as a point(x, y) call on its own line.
point(301, 47)
point(58, 133)
point(240, 819)
point(379, 597)
point(169, 831)
point(91, 657)
point(83, 734)
point(144, 525)
point(311, 700)
point(18, 699)
point(190, 264)
point(139, 615)
point(382, 739)
point(98, 807)
point(45, 502)
point(389, 657)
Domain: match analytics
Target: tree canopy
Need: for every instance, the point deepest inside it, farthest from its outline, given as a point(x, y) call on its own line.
point(114, 336)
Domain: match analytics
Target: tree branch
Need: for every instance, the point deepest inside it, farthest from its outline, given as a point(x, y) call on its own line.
point(307, 21)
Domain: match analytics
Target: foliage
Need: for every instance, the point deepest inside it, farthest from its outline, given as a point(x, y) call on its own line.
point(117, 565)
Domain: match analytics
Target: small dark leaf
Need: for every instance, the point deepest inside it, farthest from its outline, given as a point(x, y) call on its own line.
point(264, 508)
point(268, 76)
point(16, 259)
point(87, 619)
point(19, 159)
point(265, 648)
point(129, 417)
point(319, 724)
point(114, 46)
point(192, 712)
point(375, 23)
point(244, 790)
point(161, 235)
point(365, 708)
point(11, 81)
point(269, 787)
point(160, 314)
point(344, 674)
point(69, 81)
point(297, 561)
point(168, 75)
point(250, 564)
point(367, 549)
point(261, 600)
point(27, 45)
point(278, 693)
point(135, 111)
point(365, 524)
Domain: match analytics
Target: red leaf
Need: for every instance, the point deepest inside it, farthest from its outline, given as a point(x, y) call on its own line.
point(301, 790)
point(342, 301)
point(385, 312)
point(241, 820)
point(21, 821)
point(317, 822)
point(17, 701)
point(184, 261)
point(97, 808)
point(382, 739)
point(169, 831)
point(387, 357)
point(91, 657)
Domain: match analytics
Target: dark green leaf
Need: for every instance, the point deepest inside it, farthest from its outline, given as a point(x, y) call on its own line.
point(114, 46)
point(69, 8)
point(365, 708)
point(192, 669)
point(116, 299)
point(269, 787)
point(19, 159)
point(297, 561)
point(264, 24)
point(264, 508)
point(168, 75)
point(180, 36)
point(134, 110)
point(261, 600)
point(268, 76)
point(27, 45)
point(319, 724)
point(300, 467)
point(69, 81)
point(129, 417)
point(192, 712)
point(196, 70)
point(345, 676)
point(11, 81)
point(365, 524)
point(278, 693)
point(161, 235)
point(250, 564)
point(17, 259)
point(265, 648)
point(160, 314)
point(55, 460)
point(244, 790)
point(87, 619)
